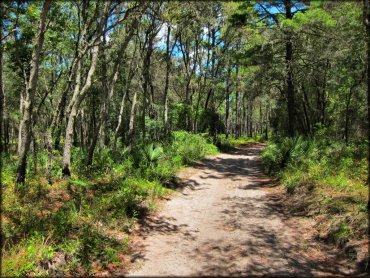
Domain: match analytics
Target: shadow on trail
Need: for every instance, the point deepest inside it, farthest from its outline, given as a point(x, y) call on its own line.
point(282, 251)
point(268, 251)
point(240, 164)
point(271, 252)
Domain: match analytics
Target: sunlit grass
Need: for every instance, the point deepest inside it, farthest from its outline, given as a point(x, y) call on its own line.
point(82, 219)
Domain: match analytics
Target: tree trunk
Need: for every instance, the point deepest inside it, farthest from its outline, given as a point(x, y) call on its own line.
point(30, 94)
point(347, 116)
point(261, 117)
point(49, 147)
point(250, 126)
point(227, 117)
point(112, 82)
point(120, 117)
point(73, 110)
point(108, 89)
point(306, 106)
point(209, 100)
point(244, 119)
point(122, 107)
point(146, 81)
point(289, 69)
point(237, 114)
point(131, 128)
point(168, 68)
point(57, 127)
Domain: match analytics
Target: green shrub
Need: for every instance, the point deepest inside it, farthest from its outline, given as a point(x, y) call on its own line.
point(190, 147)
point(24, 258)
point(336, 171)
point(98, 247)
point(152, 153)
point(64, 219)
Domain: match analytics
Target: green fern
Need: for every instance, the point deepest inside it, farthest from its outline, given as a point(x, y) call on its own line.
point(152, 153)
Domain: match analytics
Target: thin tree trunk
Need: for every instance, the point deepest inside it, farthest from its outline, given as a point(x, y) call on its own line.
point(108, 90)
point(227, 117)
point(57, 126)
point(21, 113)
point(30, 94)
point(306, 105)
point(122, 107)
point(168, 68)
point(120, 117)
point(261, 117)
point(131, 128)
point(244, 120)
point(237, 120)
point(146, 81)
point(73, 110)
point(209, 100)
point(267, 119)
point(289, 69)
point(250, 118)
point(112, 82)
point(49, 147)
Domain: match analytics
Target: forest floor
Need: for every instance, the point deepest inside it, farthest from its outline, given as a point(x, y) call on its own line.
point(228, 218)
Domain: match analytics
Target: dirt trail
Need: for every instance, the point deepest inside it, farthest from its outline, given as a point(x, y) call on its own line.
point(228, 220)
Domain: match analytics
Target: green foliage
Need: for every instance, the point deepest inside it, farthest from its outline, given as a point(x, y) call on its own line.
point(65, 219)
point(96, 246)
point(342, 234)
point(190, 147)
point(331, 174)
point(152, 153)
point(23, 259)
point(112, 192)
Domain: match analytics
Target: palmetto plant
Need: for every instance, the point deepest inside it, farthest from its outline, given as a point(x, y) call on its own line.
point(152, 153)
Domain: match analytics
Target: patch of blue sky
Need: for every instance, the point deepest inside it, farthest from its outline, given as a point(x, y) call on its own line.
point(278, 7)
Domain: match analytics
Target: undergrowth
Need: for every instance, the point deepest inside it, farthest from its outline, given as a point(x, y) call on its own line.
point(81, 226)
point(330, 178)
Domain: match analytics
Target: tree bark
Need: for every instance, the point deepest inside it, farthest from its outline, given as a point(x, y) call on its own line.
point(113, 79)
point(209, 100)
point(289, 72)
point(146, 76)
point(30, 94)
point(306, 106)
point(131, 128)
point(120, 116)
point(78, 95)
point(237, 120)
point(77, 98)
point(122, 107)
point(227, 112)
point(168, 68)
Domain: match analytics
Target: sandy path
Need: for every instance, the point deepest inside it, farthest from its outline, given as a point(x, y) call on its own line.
point(228, 221)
